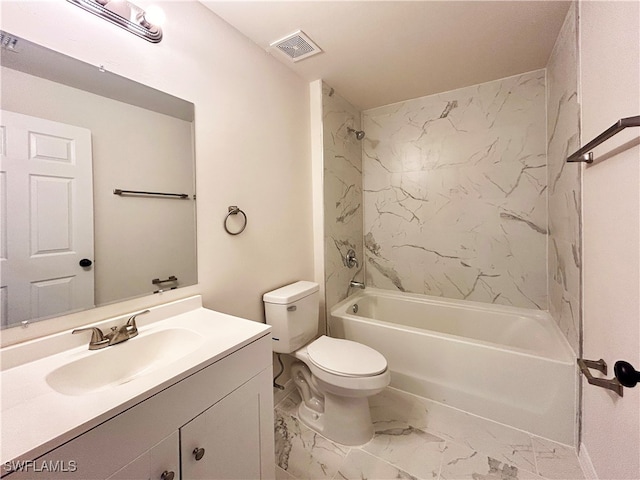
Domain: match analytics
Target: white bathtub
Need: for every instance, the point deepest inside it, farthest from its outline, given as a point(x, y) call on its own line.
point(511, 365)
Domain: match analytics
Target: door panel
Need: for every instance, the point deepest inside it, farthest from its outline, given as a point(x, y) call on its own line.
point(51, 148)
point(50, 214)
point(50, 297)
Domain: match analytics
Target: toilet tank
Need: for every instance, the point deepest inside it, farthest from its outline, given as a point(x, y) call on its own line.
point(292, 311)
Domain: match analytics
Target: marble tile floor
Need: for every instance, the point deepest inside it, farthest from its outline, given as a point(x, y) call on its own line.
point(416, 438)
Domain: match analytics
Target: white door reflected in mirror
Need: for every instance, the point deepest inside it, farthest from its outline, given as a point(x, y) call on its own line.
point(47, 218)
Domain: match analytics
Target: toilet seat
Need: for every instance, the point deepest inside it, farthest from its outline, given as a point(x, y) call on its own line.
point(345, 358)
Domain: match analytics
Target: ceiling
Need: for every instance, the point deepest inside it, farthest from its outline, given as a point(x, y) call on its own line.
point(381, 52)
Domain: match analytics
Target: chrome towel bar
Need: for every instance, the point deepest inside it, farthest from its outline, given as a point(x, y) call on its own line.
point(585, 154)
point(172, 278)
point(118, 191)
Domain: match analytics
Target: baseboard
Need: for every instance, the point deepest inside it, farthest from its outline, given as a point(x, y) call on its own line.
point(585, 464)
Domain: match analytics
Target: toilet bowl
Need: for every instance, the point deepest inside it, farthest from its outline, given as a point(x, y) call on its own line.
point(335, 377)
point(345, 417)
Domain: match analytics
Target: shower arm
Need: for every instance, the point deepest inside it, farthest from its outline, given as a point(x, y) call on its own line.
point(358, 133)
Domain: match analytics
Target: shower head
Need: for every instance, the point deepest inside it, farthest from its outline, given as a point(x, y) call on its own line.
point(358, 133)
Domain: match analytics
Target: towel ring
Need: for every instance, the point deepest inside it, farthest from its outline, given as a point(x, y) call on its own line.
point(234, 210)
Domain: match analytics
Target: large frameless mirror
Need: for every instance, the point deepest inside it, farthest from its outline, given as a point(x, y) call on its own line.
point(97, 186)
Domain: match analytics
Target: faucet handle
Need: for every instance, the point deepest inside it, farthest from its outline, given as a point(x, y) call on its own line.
point(131, 327)
point(350, 259)
point(98, 340)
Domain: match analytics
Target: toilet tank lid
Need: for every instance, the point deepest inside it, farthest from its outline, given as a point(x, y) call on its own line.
point(291, 293)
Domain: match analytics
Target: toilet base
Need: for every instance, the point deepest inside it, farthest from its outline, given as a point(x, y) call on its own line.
point(346, 420)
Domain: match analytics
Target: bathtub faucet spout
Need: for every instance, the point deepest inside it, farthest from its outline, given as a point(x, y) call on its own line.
point(355, 284)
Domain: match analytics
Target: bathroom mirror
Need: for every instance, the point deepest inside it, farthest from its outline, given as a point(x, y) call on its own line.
point(71, 135)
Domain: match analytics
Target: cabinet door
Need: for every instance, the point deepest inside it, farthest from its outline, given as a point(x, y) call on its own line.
point(236, 434)
point(152, 464)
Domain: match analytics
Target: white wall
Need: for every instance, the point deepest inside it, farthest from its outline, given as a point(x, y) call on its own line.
point(610, 90)
point(252, 144)
point(317, 156)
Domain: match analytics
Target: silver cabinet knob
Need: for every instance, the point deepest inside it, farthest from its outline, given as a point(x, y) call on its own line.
point(166, 475)
point(198, 453)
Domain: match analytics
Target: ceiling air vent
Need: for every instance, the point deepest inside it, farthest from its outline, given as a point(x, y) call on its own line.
point(296, 46)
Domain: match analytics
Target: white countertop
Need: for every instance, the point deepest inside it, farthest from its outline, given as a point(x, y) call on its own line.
point(35, 418)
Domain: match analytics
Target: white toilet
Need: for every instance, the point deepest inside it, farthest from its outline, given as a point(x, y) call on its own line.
point(334, 376)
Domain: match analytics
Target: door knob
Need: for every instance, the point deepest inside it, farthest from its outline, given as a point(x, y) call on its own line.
point(85, 262)
point(626, 374)
point(198, 453)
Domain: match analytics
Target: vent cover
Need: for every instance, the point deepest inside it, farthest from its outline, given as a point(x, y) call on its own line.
point(296, 46)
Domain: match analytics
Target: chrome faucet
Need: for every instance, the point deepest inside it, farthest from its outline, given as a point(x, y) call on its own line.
point(355, 284)
point(116, 335)
point(131, 327)
point(98, 340)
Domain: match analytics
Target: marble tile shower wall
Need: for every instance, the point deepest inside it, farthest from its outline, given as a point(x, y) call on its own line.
point(342, 194)
point(454, 189)
point(564, 180)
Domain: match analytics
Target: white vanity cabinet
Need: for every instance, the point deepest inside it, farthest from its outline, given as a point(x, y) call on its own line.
point(226, 408)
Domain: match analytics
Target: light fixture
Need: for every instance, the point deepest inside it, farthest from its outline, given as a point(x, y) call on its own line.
point(126, 15)
point(8, 42)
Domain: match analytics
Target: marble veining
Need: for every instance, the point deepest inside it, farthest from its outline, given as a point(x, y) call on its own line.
point(565, 180)
point(455, 193)
point(342, 194)
point(304, 453)
point(416, 438)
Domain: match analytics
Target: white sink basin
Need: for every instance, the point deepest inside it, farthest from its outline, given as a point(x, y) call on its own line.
point(54, 388)
point(118, 364)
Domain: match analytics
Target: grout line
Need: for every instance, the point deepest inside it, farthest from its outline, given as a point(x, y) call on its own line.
point(446, 442)
point(535, 455)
